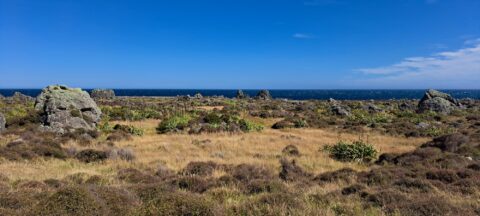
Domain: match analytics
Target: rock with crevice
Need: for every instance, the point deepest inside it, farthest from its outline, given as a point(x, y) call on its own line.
point(436, 101)
point(65, 109)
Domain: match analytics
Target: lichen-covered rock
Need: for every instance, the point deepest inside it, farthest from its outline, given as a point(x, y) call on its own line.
point(2, 122)
point(264, 95)
point(103, 94)
point(436, 101)
point(65, 109)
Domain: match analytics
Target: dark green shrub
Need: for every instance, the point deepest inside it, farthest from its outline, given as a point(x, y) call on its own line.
point(356, 151)
point(91, 155)
point(177, 122)
point(249, 126)
point(129, 129)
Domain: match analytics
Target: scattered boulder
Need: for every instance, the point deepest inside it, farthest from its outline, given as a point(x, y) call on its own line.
point(337, 109)
point(66, 109)
point(241, 94)
point(17, 96)
point(198, 96)
point(263, 95)
point(2, 122)
point(436, 101)
point(103, 94)
point(372, 108)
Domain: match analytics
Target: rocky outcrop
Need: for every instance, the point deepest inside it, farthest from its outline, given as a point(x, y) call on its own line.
point(65, 109)
point(241, 95)
point(103, 94)
point(337, 109)
point(263, 95)
point(198, 96)
point(436, 101)
point(371, 108)
point(2, 122)
point(19, 97)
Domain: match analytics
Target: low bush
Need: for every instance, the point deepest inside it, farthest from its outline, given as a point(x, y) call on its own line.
point(174, 123)
point(130, 129)
point(91, 155)
point(356, 151)
point(249, 126)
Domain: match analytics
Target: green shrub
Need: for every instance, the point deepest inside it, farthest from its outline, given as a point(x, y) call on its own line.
point(129, 113)
point(130, 129)
point(356, 151)
point(177, 122)
point(249, 126)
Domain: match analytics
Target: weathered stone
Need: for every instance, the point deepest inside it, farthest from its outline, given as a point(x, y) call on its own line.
point(436, 101)
point(241, 95)
point(65, 109)
point(103, 94)
point(263, 95)
point(2, 122)
point(198, 96)
point(17, 96)
point(372, 108)
point(340, 110)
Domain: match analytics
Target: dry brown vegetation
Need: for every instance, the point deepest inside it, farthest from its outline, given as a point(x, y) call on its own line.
point(135, 170)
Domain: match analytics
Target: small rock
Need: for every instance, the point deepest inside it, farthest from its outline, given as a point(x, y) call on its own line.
point(103, 94)
point(241, 95)
point(422, 125)
point(337, 109)
point(263, 95)
point(198, 96)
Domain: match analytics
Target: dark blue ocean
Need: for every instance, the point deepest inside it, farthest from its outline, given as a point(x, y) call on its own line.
point(288, 94)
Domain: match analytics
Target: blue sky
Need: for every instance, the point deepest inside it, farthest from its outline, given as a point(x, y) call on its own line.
point(230, 44)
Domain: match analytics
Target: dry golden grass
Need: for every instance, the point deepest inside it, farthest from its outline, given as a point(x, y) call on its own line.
point(175, 151)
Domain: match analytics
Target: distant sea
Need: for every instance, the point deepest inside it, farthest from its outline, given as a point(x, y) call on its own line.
point(287, 94)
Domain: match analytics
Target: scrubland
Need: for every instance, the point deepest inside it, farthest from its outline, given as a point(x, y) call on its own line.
point(219, 156)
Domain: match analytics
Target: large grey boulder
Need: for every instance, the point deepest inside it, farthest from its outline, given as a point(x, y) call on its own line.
point(66, 109)
point(2, 122)
point(103, 94)
point(436, 101)
point(263, 95)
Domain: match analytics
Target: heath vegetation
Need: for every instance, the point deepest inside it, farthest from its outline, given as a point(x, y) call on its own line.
point(246, 156)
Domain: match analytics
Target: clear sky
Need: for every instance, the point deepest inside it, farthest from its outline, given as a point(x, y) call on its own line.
point(230, 44)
